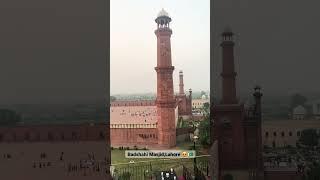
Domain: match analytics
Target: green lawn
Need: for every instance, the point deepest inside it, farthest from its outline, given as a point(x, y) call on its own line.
point(138, 169)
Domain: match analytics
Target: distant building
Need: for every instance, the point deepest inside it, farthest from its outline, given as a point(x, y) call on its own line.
point(282, 133)
point(299, 113)
point(198, 103)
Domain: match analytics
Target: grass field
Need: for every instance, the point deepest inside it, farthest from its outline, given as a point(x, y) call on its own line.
point(118, 156)
point(138, 169)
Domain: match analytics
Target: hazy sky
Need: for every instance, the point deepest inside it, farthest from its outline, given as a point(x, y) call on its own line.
point(52, 51)
point(133, 44)
point(277, 44)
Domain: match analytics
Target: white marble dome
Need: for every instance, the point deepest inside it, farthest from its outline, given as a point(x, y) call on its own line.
point(299, 110)
point(163, 13)
point(203, 97)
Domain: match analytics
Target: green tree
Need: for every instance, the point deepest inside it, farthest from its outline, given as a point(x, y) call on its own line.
point(112, 98)
point(204, 127)
point(9, 117)
point(309, 137)
point(314, 173)
point(206, 107)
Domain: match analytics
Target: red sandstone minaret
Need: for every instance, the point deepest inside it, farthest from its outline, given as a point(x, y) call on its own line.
point(258, 113)
point(236, 130)
point(228, 116)
point(165, 101)
point(228, 74)
point(181, 85)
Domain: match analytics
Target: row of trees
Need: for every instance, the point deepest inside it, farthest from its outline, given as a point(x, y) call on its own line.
point(204, 126)
point(309, 137)
point(9, 117)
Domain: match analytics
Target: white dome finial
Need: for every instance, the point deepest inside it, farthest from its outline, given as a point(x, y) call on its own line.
point(163, 13)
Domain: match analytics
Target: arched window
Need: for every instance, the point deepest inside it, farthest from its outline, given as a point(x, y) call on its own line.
point(290, 133)
point(274, 134)
point(267, 134)
point(282, 134)
point(1, 137)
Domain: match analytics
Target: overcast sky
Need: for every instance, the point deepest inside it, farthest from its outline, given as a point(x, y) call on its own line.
point(52, 51)
point(277, 44)
point(133, 44)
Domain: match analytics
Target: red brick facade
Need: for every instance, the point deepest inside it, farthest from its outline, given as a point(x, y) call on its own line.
point(130, 137)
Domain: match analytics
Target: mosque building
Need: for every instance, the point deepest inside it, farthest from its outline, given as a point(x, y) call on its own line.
point(153, 123)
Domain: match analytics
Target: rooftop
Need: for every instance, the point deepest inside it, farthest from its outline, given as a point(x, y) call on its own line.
point(133, 115)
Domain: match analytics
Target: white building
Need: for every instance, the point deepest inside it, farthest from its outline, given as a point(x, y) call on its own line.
point(299, 113)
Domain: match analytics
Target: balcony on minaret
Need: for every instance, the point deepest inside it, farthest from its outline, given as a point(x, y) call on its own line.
point(227, 35)
point(163, 20)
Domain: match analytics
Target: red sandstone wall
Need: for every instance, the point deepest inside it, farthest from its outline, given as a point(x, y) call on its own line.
point(129, 137)
point(166, 127)
point(231, 135)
